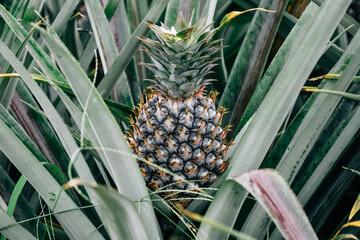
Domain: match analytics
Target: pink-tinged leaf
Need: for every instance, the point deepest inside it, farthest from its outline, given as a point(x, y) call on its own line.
point(274, 195)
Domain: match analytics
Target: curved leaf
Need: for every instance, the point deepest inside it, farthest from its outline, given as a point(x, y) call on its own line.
point(250, 60)
point(280, 203)
point(124, 57)
point(106, 132)
point(119, 213)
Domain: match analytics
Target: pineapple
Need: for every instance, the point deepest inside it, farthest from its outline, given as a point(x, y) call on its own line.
point(176, 126)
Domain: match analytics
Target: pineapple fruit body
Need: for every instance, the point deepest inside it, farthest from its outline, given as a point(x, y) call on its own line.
point(176, 132)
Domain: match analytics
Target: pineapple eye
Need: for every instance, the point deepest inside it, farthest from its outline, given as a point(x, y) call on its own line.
point(198, 156)
point(190, 169)
point(184, 149)
point(176, 163)
point(211, 113)
point(216, 145)
point(210, 128)
point(198, 110)
point(210, 161)
point(171, 144)
point(206, 143)
point(151, 141)
point(151, 110)
point(202, 174)
point(161, 131)
point(193, 137)
point(153, 121)
point(197, 123)
point(164, 110)
point(156, 183)
point(162, 153)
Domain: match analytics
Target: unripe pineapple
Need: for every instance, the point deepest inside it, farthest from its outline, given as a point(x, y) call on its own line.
point(176, 126)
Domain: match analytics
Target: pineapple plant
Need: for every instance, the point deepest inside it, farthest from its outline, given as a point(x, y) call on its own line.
point(177, 129)
point(63, 115)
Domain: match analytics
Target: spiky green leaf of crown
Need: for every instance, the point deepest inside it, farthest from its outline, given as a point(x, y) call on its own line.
point(182, 59)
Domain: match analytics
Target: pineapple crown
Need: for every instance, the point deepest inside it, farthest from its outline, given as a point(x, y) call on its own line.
point(181, 58)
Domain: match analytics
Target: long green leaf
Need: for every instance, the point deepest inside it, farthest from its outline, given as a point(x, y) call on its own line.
point(208, 10)
point(250, 60)
point(14, 232)
point(59, 126)
point(32, 6)
point(280, 203)
point(172, 12)
point(124, 57)
point(307, 128)
point(8, 86)
point(119, 161)
point(15, 195)
point(50, 69)
point(24, 209)
point(88, 53)
point(330, 153)
point(103, 36)
point(33, 170)
point(351, 96)
point(64, 15)
point(326, 158)
point(121, 29)
point(262, 130)
point(124, 223)
point(107, 46)
point(275, 68)
point(33, 47)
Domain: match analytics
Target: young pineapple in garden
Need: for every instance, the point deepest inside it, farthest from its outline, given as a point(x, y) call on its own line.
point(176, 126)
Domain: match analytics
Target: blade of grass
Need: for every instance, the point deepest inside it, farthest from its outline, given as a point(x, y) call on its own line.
point(351, 96)
point(329, 155)
point(237, 196)
point(17, 11)
point(14, 232)
point(14, 198)
point(221, 227)
point(23, 210)
point(111, 141)
point(15, 195)
point(124, 57)
point(262, 130)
